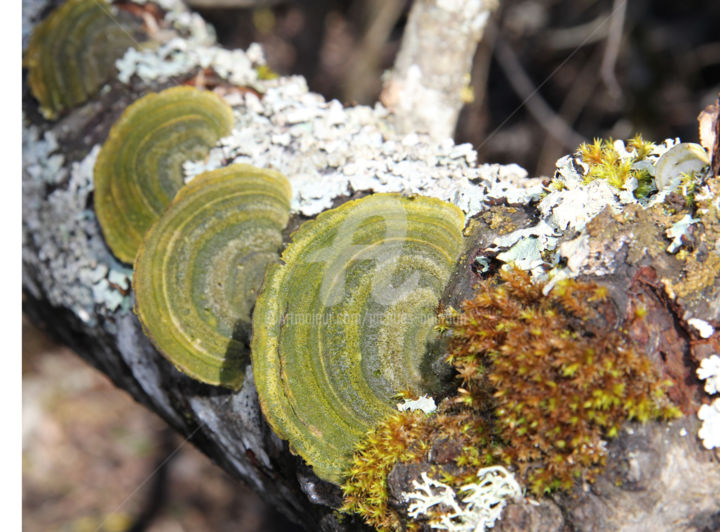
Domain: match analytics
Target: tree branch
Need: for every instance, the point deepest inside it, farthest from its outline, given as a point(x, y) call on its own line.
point(424, 89)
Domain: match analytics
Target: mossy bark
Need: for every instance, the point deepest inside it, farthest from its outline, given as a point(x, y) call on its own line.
point(659, 477)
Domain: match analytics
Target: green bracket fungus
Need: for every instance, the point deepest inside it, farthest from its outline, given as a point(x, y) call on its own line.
point(200, 266)
point(342, 326)
point(72, 52)
point(139, 169)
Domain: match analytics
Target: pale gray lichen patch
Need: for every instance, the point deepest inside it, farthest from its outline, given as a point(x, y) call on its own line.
point(180, 56)
point(573, 208)
point(328, 151)
point(31, 12)
point(677, 230)
point(62, 242)
point(42, 159)
point(561, 239)
point(189, 44)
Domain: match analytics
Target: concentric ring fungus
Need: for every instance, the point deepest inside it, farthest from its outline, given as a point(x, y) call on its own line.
point(139, 168)
point(73, 51)
point(342, 326)
point(200, 266)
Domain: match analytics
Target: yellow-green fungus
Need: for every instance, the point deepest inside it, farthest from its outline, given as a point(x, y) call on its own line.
point(344, 323)
point(139, 168)
point(72, 52)
point(200, 266)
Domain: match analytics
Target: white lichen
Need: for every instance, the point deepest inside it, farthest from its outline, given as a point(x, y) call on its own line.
point(328, 151)
point(476, 511)
point(524, 247)
point(191, 45)
point(677, 230)
point(41, 157)
point(709, 432)
point(181, 56)
point(573, 208)
point(424, 403)
point(702, 327)
point(61, 237)
point(709, 371)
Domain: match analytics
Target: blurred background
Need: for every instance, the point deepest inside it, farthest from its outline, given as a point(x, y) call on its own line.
point(92, 457)
point(94, 460)
point(667, 66)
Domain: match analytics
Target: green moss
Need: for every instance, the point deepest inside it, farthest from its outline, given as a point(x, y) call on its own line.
point(264, 72)
point(401, 437)
point(605, 162)
point(411, 438)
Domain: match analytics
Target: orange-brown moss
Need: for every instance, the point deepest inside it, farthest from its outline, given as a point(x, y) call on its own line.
point(561, 377)
point(544, 379)
point(411, 438)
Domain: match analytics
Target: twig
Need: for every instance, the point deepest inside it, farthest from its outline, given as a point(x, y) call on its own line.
point(425, 88)
point(383, 15)
point(565, 38)
point(612, 49)
point(574, 102)
point(528, 93)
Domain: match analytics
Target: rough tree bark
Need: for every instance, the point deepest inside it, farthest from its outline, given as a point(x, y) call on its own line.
point(659, 478)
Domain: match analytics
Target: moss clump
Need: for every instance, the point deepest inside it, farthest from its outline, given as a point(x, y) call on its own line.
point(605, 162)
point(543, 380)
point(560, 377)
point(412, 438)
point(264, 72)
point(399, 438)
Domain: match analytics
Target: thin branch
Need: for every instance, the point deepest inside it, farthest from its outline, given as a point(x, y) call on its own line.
point(530, 96)
point(383, 16)
point(566, 38)
point(612, 49)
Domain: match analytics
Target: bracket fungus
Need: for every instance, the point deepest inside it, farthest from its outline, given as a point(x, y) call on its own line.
point(139, 168)
point(200, 266)
point(684, 158)
point(343, 324)
point(72, 52)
